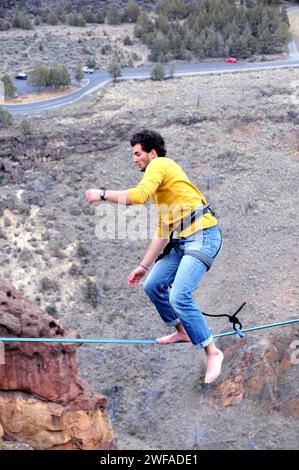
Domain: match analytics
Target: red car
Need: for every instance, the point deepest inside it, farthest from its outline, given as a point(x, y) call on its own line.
point(231, 60)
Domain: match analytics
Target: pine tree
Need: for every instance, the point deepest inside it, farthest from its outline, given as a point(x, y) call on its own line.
point(114, 68)
point(9, 88)
point(162, 23)
point(39, 77)
point(159, 46)
point(25, 127)
point(22, 21)
point(158, 72)
point(89, 16)
point(60, 13)
point(5, 118)
point(59, 76)
point(91, 62)
point(200, 46)
point(175, 45)
point(144, 25)
point(131, 13)
point(113, 15)
point(4, 24)
point(232, 44)
point(265, 42)
point(281, 37)
point(250, 40)
point(79, 74)
point(211, 44)
point(52, 19)
point(100, 18)
point(242, 49)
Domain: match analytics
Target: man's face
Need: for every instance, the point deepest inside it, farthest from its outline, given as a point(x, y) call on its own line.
point(141, 157)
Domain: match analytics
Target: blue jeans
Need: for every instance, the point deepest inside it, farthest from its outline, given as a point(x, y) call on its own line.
point(173, 279)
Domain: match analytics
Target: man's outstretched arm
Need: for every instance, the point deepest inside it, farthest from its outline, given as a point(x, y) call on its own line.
point(140, 194)
point(119, 197)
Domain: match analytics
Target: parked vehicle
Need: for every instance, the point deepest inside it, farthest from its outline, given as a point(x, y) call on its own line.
point(21, 76)
point(88, 70)
point(231, 60)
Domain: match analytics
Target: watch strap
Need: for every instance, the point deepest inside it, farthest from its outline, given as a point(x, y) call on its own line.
point(102, 194)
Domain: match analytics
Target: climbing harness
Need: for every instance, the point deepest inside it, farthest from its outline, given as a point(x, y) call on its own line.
point(208, 260)
point(174, 240)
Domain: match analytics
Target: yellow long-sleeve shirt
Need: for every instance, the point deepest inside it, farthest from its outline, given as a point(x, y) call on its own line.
point(171, 190)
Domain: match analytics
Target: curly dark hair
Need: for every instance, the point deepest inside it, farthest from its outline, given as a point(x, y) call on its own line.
point(149, 140)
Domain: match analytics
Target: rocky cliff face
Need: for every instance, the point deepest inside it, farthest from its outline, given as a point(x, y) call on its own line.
point(43, 402)
point(20, 153)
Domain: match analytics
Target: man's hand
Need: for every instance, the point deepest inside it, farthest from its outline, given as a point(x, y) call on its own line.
point(92, 195)
point(136, 276)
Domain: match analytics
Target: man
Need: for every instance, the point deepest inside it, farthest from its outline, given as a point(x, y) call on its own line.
point(195, 241)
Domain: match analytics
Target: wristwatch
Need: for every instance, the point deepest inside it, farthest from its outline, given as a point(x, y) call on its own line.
point(102, 194)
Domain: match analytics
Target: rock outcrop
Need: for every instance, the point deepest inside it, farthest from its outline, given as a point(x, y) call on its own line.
point(263, 369)
point(19, 153)
point(43, 402)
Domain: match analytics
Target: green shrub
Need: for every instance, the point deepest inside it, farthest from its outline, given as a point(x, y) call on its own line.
point(22, 21)
point(25, 127)
point(47, 284)
point(158, 72)
point(90, 292)
point(5, 118)
point(91, 62)
point(81, 250)
point(4, 24)
point(74, 270)
point(9, 88)
point(127, 41)
point(25, 210)
point(114, 68)
point(52, 310)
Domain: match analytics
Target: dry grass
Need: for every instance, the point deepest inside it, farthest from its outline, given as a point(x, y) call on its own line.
point(41, 96)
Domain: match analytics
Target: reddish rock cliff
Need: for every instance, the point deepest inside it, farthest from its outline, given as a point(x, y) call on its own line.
point(43, 402)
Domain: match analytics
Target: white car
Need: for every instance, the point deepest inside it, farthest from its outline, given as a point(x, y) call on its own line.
point(87, 70)
point(21, 76)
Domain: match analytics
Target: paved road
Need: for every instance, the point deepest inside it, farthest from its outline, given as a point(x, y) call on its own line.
point(101, 78)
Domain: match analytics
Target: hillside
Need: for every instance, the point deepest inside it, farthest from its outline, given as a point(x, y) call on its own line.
point(237, 137)
point(31, 6)
point(133, 34)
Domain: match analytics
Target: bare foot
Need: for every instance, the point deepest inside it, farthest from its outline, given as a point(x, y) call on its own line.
point(214, 362)
point(174, 338)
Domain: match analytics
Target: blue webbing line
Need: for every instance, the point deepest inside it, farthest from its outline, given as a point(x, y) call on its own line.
point(132, 341)
point(261, 327)
point(77, 340)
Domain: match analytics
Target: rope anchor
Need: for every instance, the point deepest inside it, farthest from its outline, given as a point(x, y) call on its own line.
point(237, 325)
